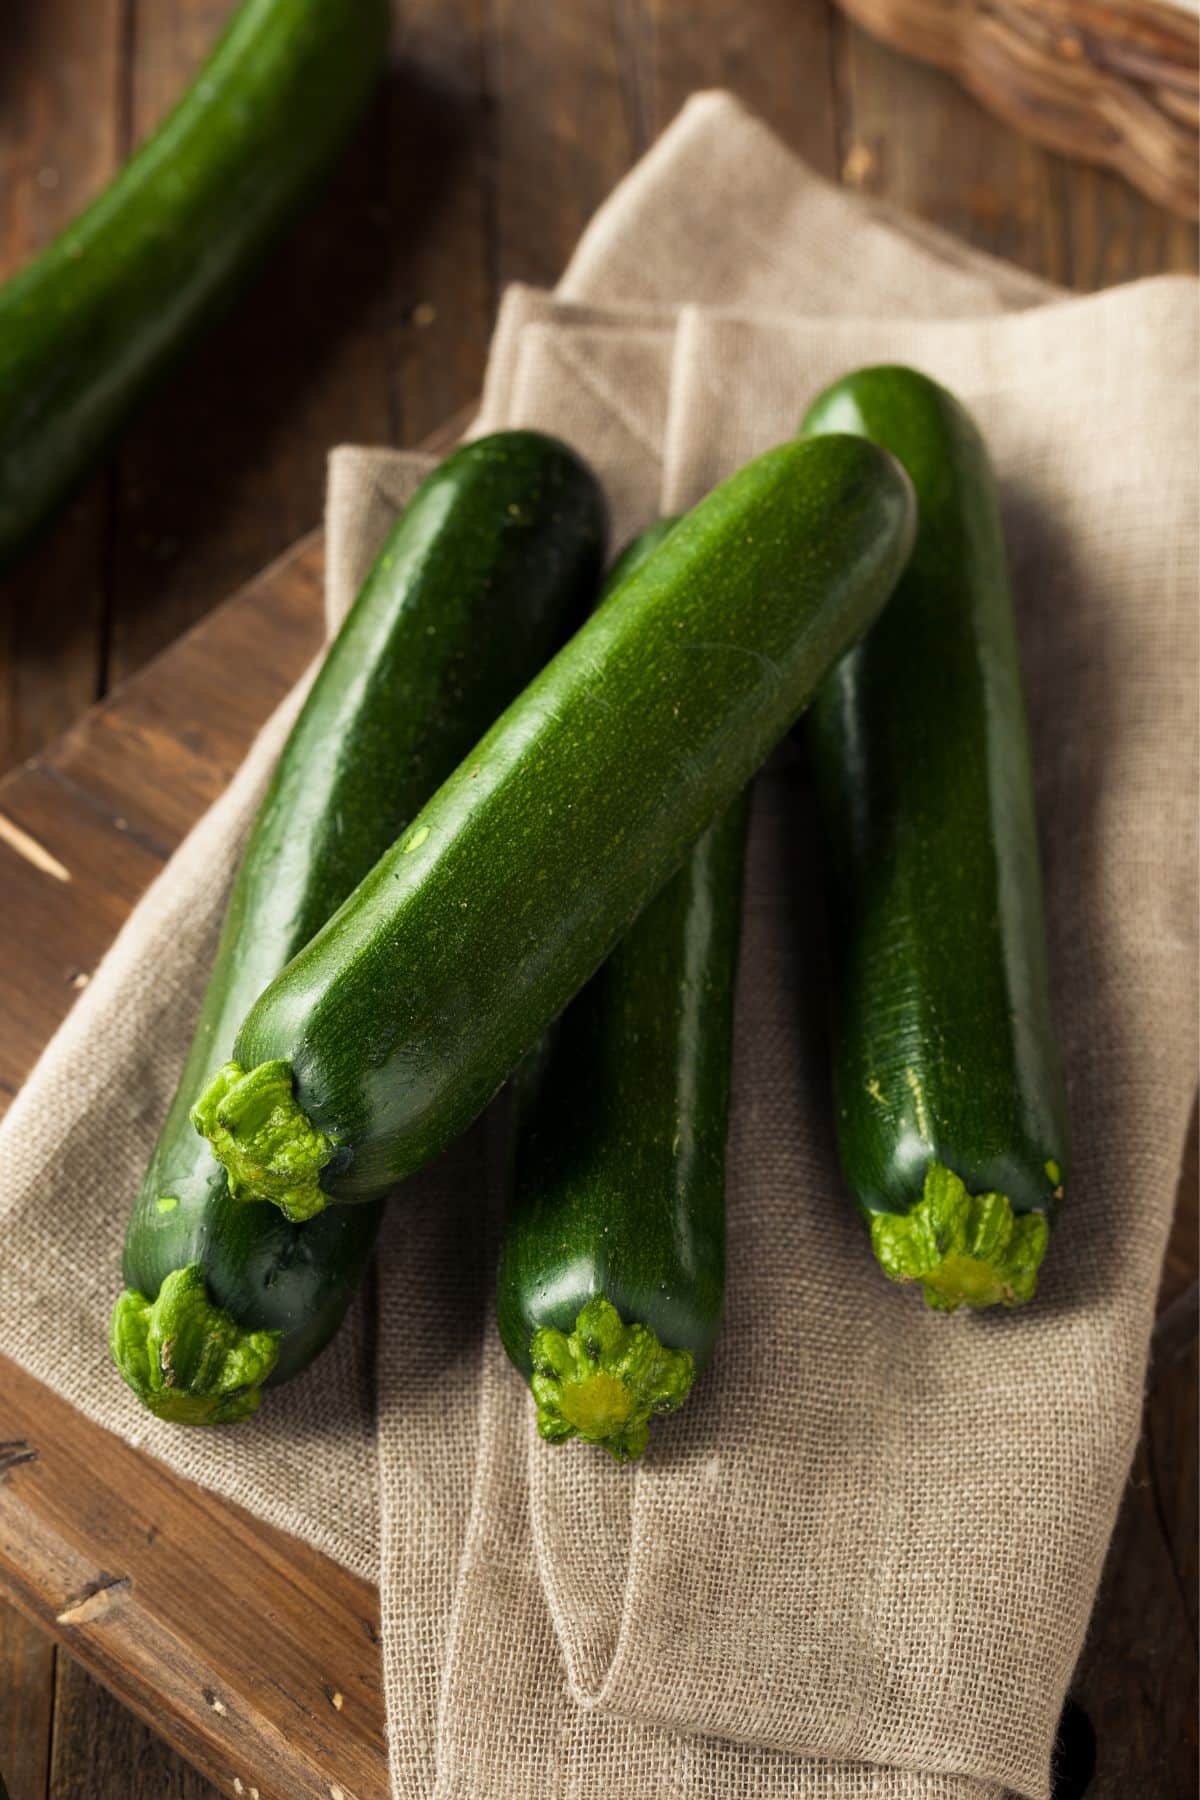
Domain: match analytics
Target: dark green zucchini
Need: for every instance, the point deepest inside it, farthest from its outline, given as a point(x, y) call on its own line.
point(612, 1263)
point(392, 1030)
point(637, 551)
point(951, 1115)
point(88, 325)
point(493, 561)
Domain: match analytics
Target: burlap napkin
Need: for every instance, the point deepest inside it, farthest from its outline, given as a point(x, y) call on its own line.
point(861, 1561)
point(869, 1536)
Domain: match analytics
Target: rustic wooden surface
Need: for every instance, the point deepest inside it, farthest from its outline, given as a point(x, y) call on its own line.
point(497, 133)
point(256, 1655)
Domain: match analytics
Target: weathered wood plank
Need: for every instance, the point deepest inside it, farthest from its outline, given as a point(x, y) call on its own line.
point(441, 298)
point(911, 135)
point(1136, 1680)
point(60, 140)
point(1115, 235)
point(254, 1655)
point(88, 824)
point(562, 136)
point(27, 1658)
point(101, 1749)
point(224, 468)
point(778, 57)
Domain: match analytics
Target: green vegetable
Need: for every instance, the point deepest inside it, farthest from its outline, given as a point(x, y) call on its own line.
point(402, 1018)
point(951, 1115)
point(612, 1264)
point(637, 551)
point(90, 323)
point(492, 562)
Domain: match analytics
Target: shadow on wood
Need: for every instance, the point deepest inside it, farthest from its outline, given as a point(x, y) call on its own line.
point(242, 399)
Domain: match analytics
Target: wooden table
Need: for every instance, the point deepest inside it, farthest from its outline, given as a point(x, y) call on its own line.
point(498, 132)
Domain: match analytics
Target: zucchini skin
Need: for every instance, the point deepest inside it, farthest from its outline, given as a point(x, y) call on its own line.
point(493, 561)
point(618, 1193)
point(407, 1012)
point(619, 1185)
point(944, 1049)
point(89, 324)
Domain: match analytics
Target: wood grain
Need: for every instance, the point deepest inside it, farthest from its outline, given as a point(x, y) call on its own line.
point(438, 307)
point(494, 137)
point(774, 53)
point(563, 132)
point(61, 138)
point(254, 1654)
point(1114, 237)
point(1136, 1680)
point(911, 135)
point(109, 801)
point(100, 1747)
point(27, 1659)
point(225, 465)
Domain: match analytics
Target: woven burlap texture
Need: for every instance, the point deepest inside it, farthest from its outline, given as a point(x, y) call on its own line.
point(306, 1461)
point(861, 1561)
point(874, 1534)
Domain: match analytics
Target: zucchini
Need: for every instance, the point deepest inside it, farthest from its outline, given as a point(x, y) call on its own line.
point(89, 324)
point(951, 1114)
point(400, 1020)
point(612, 1263)
point(492, 562)
point(637, 551)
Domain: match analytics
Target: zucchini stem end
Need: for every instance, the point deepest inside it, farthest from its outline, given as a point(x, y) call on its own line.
point(186, 1359)
point(964, 1249)
point(605, 1381)
point(263, 1138)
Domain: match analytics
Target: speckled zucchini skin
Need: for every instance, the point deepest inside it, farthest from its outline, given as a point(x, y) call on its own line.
point(619, 1181)
point(619, 1171)
point(493, 562)
point(91, 322)
point(403, 1017)
point(944, 1047)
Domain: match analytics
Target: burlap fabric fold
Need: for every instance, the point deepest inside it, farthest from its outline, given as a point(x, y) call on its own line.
point(860, 1562)
point(872, 1538)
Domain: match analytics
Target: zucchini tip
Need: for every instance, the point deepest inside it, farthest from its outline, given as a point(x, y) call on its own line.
point(964, 1249)
point(605, 1381)
point(263, 1138)
point(187, 1360)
